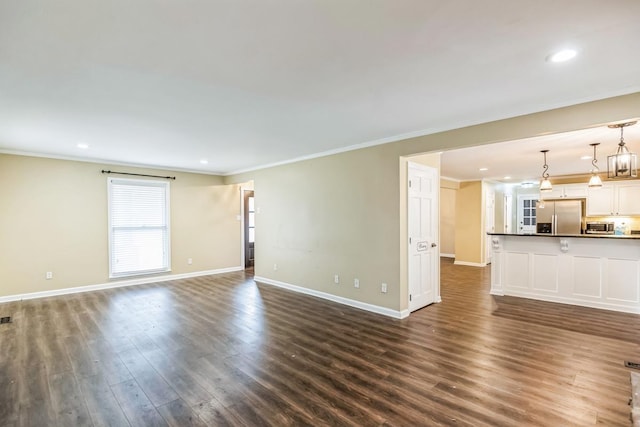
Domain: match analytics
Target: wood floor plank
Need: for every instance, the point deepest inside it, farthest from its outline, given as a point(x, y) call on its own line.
point(67, 401)
point(179, 414)
point(101, 402)
point(180, 379)
point(226, 351)
point(82, 364)
point(154, 386)
point(214, 413)
point(136, 405)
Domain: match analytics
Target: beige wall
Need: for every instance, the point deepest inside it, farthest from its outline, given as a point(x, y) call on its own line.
point(340, 213)
point(468, 238)
point(53, 217)
point(332, 215)
point(448, 191)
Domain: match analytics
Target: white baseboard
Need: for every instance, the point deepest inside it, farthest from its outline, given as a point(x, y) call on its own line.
point(570, 301)
point(346, 301)
point(447, 255)
point(116, 284)
point(470, 264)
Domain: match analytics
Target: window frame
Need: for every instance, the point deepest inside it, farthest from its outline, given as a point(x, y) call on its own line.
point(167, 243)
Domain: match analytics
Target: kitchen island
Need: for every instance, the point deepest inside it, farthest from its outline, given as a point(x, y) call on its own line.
point(599, 271)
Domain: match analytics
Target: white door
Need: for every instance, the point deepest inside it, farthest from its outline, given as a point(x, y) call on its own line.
point(526, 214)
point(508, 213)
point(424, 254)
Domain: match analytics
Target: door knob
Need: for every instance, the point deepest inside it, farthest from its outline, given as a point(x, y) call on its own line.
point(433, 245)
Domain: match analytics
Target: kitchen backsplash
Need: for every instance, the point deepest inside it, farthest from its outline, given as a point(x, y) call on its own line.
point(620, 221)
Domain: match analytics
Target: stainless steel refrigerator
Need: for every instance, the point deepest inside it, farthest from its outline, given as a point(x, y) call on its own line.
point(559, 217)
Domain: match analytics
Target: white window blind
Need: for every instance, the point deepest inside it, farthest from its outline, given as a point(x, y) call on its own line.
point(138, 227)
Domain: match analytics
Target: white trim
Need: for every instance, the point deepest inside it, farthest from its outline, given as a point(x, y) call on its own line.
point(444, 127)
point(443, 255)
point(346, 301)
point(107, 162)
point(441, 127)
point(470, 264)
point(116, 284)
point(242, 248)
point(452, 179)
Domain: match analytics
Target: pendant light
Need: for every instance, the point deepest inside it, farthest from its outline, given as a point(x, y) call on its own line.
point(545, 184)
point(622, 164)
point(595, 181)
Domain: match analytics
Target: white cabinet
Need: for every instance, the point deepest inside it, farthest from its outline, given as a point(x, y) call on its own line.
point(620, 198)
point(628, 197)
point(600, 201)
point(567, 191)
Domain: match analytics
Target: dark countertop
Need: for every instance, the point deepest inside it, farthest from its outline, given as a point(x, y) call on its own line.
point(586, 236)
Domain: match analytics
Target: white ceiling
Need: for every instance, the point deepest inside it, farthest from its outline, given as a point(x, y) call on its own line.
point(248, 83)
point(521, 160)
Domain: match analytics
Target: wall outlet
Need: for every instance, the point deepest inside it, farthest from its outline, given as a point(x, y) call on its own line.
point(48, 275)
point(189, 261)
point(383, 288)
point(356, 283)
point(275, 267)
point(336, 279)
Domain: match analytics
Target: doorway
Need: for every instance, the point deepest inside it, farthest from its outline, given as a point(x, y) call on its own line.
point(526, 214)
point(508, 213)
point(489, 222)
point(249, 229)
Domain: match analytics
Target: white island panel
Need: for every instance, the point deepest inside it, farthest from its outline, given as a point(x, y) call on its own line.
point(545, 273)
point(517, 270)
point(580, 270)
point(622, 280)
point(587, 277)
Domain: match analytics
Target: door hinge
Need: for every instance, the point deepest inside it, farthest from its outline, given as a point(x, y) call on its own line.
point(409, 297)
point(409, 183)
point(409, 240)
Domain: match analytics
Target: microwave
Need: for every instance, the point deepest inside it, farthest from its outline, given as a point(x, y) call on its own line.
point(600, 228)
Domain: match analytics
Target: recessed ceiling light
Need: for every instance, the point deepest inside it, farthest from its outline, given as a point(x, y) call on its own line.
point(507, 177)
point(484, 169)
point(204, 161)
point(562, 55)
point(82, 145)
point(585, 158)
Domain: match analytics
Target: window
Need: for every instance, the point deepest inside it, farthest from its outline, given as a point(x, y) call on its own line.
point(251, 225)
point(138, 227)
point(526, 213)
point(529, 214)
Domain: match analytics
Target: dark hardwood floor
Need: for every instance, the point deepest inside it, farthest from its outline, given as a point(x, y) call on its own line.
point(221, 350)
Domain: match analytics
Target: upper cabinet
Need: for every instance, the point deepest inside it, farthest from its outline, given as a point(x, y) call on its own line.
point(619, 198)
point(567, 191)
point(628, 196)
point(600, 201)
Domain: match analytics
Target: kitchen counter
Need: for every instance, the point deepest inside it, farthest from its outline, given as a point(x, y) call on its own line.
point(588, 236)
point(599, 271)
